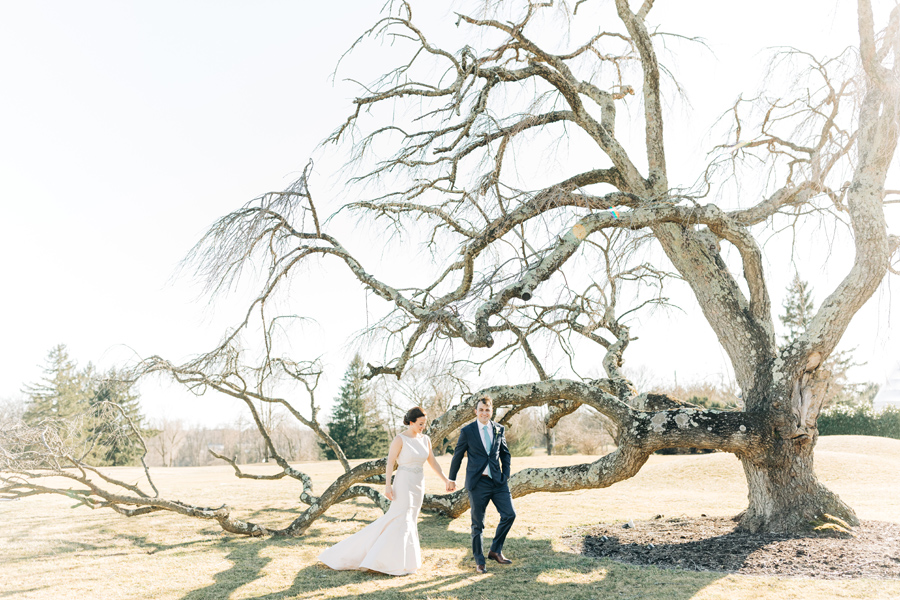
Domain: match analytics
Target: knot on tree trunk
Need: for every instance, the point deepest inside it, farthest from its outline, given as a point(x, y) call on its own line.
point(807, 396)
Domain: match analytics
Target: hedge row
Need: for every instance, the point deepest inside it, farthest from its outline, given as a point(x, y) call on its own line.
point(860, 420)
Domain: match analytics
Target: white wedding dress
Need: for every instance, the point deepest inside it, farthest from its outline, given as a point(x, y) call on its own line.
point(390, 544)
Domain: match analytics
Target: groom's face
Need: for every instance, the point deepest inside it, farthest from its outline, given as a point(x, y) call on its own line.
point(483, 412)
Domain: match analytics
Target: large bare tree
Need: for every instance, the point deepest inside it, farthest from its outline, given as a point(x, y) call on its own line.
point(542, 263)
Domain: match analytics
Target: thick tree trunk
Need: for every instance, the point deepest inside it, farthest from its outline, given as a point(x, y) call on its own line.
point(785, 494)
point(783, 490)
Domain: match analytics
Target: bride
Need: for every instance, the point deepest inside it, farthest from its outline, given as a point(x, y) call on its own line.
point(390, 544)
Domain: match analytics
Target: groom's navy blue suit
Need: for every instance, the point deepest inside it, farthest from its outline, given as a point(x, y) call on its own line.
point(482, 488)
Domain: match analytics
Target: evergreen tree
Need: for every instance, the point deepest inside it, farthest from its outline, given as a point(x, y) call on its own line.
point(78, 403)
point(355, 423)
point(60, 393)
point(798, 309)
point(114, 441)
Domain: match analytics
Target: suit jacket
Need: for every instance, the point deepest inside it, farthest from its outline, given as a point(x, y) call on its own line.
point(470, 442)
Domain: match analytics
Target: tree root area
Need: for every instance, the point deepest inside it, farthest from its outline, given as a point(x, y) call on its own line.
point(712, 544)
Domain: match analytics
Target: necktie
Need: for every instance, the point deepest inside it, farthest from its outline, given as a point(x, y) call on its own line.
point(486, 438)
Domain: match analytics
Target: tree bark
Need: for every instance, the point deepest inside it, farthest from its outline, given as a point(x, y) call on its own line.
point(785, 495)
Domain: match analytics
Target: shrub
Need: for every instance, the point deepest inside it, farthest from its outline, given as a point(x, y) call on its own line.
point(889, 422)
point(860, 420)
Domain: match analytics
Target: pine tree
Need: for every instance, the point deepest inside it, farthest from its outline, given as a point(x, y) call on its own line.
point(60, 393)
point(76, 402)
point(798, 309)
point(355, 423)
point(115, 442)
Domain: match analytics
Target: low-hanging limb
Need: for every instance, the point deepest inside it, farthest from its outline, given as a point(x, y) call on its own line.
point(641, 432)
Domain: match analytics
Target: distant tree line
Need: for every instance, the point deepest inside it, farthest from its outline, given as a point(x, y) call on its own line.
point(99, 415)
point(178, 444)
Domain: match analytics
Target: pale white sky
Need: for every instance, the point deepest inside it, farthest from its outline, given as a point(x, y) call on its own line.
point(127, 128)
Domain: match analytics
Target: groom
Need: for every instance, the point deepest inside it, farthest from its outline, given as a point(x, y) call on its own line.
point(487, 474)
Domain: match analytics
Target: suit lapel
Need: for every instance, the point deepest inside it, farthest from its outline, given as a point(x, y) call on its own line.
point(494, 436)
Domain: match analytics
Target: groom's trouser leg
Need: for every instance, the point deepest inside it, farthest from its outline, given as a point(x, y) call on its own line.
point(502, 499)
point(478, 500)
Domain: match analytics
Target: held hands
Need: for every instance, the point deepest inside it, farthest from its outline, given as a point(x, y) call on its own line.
point(451, 485)
point(389, 492)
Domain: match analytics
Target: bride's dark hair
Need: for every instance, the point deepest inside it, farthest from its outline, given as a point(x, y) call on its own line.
point(413, 415)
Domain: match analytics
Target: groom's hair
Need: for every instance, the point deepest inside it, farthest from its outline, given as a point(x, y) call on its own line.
point(486, 400)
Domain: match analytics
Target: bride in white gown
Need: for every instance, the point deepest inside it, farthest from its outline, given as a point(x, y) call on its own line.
point(390, 544)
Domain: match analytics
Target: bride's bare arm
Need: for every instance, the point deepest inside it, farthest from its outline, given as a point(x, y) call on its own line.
point(437, 467)
point(396, 446)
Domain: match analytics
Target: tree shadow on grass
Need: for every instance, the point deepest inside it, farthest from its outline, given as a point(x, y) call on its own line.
point(59, 547)
point(247, 565)
point(143, 542)
point(17, 593)
point(62, 546)
point(539, 571)
point(280, 517)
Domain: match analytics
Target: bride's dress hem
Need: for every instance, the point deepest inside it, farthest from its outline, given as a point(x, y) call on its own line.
point(370, 570)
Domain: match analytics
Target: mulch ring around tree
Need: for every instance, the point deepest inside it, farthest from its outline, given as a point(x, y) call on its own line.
point(712, 544)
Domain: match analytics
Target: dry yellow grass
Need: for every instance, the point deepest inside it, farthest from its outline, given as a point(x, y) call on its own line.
point(49, 551)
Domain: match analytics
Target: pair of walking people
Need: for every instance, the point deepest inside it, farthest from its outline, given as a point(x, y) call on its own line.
point(390, 544)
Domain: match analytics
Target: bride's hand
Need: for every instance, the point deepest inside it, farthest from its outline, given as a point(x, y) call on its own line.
point(389, 492)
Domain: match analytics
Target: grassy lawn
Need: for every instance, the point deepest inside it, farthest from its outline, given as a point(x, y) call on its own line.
point(48, 550)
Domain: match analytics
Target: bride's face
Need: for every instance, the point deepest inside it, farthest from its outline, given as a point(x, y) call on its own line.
point(418, 426)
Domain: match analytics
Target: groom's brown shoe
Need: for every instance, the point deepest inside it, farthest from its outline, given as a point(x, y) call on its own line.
point(480, 569)
point(498, 556)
